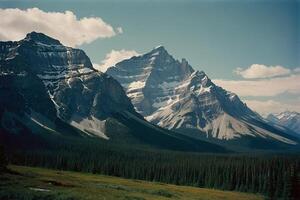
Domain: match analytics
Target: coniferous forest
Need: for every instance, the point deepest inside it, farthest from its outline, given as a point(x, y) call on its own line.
point(274, 175)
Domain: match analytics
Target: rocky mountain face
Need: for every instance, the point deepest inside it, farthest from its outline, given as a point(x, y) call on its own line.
point(46, 87)
point(287, 119)
point(57, 81)
point(171, 94)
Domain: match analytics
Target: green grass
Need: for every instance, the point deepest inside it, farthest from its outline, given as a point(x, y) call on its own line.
point(26, 183)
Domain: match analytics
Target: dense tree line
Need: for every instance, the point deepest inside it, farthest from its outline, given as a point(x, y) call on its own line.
point(276, 176)
point(3, 160)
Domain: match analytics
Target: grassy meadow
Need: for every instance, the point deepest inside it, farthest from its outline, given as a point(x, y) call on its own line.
point(39, 183)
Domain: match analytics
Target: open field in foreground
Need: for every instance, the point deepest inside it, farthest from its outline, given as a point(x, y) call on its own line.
point(38, 183)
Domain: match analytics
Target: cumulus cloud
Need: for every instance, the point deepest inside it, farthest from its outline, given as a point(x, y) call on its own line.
point(113, 58)
point(64, 26)
point(262, 87)
point(271, 106)
point(262, 71)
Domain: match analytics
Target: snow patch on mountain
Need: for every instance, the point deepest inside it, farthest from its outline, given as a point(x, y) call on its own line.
point(226, 127)
point(91, 126)
point(136, 85)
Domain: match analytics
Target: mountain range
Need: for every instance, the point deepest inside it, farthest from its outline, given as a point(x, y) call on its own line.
point(174, 96)
point(46, 87)
point(49, 89)
point(287, 119)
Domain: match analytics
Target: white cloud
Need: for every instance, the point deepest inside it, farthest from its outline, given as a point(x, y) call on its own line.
point(273, 80)
point(270, 106)
point(119, 30)
point(264, 87)
point(262, 71)
point(113, 58)
point(296, 70)
point(64, 26)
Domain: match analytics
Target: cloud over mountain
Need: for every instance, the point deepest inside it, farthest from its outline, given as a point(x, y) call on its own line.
point(270, 106)
point(262, 71)
point(264, 87)
point(65, 26)
point(270, 81)
point(114, 57)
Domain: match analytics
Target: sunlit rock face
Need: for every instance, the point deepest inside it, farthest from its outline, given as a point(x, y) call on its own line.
point(171, 94)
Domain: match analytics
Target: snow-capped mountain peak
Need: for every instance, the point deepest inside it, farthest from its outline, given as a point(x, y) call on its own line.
point(171, 94)
point(287, 115)
point(288, 119)
point(159, 48)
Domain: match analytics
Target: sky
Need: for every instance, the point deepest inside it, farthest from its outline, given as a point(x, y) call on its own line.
point(250, 47)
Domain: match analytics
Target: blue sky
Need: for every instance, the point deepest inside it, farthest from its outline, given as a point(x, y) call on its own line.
point(215, 36)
